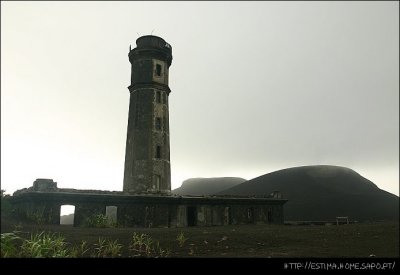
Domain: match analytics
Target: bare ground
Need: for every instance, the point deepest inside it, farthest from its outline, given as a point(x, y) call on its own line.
point(275, 241)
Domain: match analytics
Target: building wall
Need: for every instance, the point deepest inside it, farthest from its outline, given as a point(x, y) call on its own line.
point(151, 211)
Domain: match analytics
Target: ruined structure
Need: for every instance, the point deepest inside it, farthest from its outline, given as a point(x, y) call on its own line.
point(147, 167)
point(149, 210)
point(146, 199)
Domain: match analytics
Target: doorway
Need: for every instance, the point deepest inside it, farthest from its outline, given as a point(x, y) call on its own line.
point(191, 215)
point(67, 214)
point(250, 215)
point(111, 214)
point(227, 216)
point(269, 215)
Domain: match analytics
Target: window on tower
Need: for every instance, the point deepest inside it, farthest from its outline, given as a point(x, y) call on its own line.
point(158, 69)
point(158, 123)
point(158, 152)
point(158, 96)
point(164, 98)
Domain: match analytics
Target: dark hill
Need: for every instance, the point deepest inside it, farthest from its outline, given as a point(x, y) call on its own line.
point(322, 193)
point(206, 186)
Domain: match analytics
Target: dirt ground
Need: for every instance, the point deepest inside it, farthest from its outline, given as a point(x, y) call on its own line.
point(266, 241)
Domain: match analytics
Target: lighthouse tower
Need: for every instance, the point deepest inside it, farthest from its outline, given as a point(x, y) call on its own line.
point(147, 155)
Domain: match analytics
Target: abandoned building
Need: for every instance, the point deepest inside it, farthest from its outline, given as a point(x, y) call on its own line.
point(146, 199)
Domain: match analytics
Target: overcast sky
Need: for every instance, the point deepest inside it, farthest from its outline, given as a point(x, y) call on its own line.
point(256, 87)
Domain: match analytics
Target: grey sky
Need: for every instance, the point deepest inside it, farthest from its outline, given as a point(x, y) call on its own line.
point(256, 87)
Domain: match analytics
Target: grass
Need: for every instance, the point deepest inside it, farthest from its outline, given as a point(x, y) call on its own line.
point(107, 248)
point(44, 245)
point(9, 244)
point(353, 240)
point(181, 239)
point(142, 245)
point(52, 245)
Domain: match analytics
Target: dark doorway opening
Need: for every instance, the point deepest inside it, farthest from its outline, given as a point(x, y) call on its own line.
point(191, 216)
point(227, 215)
point(250, 215)
point(269, 217)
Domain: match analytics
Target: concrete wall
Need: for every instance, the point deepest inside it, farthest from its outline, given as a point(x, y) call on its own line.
point(151, 211)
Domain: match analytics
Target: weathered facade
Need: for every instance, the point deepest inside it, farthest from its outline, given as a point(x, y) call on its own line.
point(146, 200)
point(149, 210)
point(147, 156)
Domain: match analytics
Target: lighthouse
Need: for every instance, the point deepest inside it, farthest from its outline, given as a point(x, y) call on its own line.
point(147, 154)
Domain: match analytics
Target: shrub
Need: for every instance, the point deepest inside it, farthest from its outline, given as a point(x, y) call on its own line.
point(113, 249)
point(142, 245)
point(9, 244)
point(38, 216)
point(107, 248)
point(99, 220)
point(181, 239)
point(79, 251)
point(44, 245)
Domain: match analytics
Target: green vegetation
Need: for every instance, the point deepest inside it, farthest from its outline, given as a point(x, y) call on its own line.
point(99, 221)
point(80, 251)
point(40, 245)
point(181, 239)
point(53, 245)
point(39, 216)
point(354, 240)
point(142, 245)
point(107, 248)
point(9, 246)
point(44, 245)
